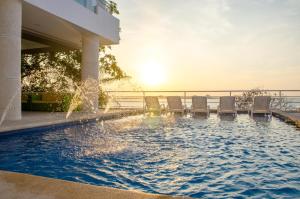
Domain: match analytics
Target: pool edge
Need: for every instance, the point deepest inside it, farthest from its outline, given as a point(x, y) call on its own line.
point(287, 118)
point(19, 185)
point(43, 126)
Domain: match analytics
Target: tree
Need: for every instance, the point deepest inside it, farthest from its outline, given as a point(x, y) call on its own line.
point(59, 71)
point(112, 7)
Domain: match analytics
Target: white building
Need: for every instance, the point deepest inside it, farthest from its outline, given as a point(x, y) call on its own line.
point(40, 24)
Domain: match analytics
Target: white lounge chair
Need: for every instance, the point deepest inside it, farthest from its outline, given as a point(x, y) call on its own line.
point(199, 105)
point(152, 105)
point(227, 106)
point(175, 104)
point(261, 105)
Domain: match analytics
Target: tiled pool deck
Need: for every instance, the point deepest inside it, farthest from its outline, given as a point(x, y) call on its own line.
point(16, 185)
point(41, 119)
point(289, 117)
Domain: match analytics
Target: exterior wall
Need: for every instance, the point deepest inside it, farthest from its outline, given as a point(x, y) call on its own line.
point(102, 24)
point(10, 59)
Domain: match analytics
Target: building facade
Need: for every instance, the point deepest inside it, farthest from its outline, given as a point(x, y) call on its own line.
point(31, 25)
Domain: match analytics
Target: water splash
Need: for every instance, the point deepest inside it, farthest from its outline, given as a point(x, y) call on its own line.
point(84, 91)
point(85, 95)
point(4, 114)
point(119, 85)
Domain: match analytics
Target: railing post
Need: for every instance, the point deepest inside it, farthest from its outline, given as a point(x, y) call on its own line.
point(280, 100)
point(144, 108)
point(185, 99)
point(230, 93)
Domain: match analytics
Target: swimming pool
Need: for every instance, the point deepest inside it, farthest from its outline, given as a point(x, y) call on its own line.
point(208, 158)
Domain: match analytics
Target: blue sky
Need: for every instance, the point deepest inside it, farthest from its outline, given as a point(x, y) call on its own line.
point(211, 44)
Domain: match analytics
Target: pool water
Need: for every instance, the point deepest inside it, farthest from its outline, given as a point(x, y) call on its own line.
point(209, 158)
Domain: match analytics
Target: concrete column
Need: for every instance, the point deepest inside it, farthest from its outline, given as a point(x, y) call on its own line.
point(10, 58)
point(90, 72)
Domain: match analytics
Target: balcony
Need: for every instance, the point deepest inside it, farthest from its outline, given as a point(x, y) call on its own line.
point(94, 5)
point(49, 20)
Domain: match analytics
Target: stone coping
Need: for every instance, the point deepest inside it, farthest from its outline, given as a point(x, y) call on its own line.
point(32, 120)
point(24, 186)
point(288, 117)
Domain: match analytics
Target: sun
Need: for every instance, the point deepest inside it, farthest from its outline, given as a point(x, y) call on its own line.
point(152, 74)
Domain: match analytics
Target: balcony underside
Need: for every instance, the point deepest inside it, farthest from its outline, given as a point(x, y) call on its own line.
point(41, 29)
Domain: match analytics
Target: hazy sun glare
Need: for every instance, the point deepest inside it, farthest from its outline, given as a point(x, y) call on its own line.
point(210, 44)
point(152, 74)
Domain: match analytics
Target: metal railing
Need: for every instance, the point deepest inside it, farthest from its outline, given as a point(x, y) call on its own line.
point(103, 4)
point(94, 4)
point(281, 99)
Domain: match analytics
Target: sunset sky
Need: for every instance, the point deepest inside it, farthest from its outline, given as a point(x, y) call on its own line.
point(210, 44)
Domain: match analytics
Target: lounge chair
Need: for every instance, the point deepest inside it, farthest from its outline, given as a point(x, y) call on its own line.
point(175, 105)
point(261, 105)
point(199, 105)
point(152, 105)
point(227, 106)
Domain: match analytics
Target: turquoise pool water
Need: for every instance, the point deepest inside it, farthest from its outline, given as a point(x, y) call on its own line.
point(201, 158)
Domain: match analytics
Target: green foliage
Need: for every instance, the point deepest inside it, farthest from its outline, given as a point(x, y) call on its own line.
point(103, 99)
point(60, 71)
point(66, 101)
point(112, 7)
point(109, 69)
point(51, 71)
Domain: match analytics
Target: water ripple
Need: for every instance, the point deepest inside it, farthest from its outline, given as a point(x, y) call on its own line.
point(202, 158)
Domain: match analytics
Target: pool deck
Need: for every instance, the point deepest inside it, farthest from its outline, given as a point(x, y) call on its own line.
point(17, 185)
point(288, 117)
point(32, 120)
